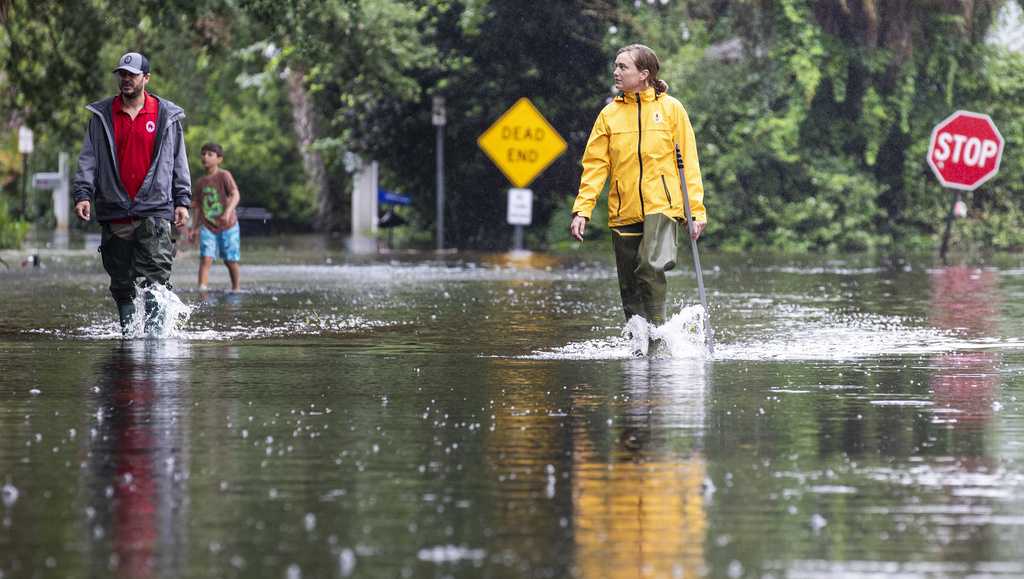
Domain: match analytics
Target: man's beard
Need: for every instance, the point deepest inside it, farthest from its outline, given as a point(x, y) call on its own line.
point(126, 95)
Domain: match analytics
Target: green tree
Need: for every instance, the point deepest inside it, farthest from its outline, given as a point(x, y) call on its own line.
point(813, 118)
point(347, 63)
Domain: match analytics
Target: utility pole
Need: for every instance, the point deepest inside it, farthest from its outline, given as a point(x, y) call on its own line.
point(438, 119)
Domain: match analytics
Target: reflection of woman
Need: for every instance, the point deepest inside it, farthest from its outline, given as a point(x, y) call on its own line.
point(632, 146)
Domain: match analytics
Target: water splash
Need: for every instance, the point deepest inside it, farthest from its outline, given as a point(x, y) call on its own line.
point(166, 320)
point(170, 319)
point(681, 337)
point(202, 328)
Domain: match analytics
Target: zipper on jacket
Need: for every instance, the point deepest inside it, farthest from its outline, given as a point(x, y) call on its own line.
point(618, 199)
point(108, 123)
point(639, 153)
point(667, 192)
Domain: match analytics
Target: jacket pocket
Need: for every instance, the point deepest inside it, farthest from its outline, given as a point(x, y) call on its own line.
point(668, 192)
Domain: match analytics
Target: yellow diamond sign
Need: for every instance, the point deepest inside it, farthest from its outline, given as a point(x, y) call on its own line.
point(522, 143)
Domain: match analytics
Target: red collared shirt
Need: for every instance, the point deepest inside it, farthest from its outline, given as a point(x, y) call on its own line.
point(133, 141)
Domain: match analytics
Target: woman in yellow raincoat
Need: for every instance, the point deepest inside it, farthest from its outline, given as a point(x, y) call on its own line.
point(632, 148)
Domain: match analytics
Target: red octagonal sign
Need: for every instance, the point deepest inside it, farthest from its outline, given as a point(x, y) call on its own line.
point(965, 150)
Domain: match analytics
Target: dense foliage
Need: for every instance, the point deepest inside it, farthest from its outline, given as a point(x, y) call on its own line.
point(812, 117)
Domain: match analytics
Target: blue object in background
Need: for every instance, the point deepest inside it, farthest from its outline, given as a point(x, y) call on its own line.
point(384, 196)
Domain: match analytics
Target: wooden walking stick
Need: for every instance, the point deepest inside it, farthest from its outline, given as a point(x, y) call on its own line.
point(709, 334)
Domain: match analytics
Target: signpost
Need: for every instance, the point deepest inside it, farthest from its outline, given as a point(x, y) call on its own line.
point(519, 213)
point(26, 144)
point(58, 182)
point(522, 144)
point(439, 118)
point(964, 152)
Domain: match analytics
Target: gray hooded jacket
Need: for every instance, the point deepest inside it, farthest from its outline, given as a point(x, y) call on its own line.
point(167, 184)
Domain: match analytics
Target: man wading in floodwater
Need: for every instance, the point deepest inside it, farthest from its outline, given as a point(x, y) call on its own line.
point(134, 167)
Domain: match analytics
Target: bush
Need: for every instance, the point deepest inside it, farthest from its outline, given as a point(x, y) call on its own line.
point(12, 231)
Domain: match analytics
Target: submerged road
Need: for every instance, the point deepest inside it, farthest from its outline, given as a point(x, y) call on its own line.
point(480, 415)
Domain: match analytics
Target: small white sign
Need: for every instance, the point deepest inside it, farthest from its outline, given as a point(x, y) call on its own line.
point(46, 181)
point(438, 113)
point(25, 140)
point(520, 206)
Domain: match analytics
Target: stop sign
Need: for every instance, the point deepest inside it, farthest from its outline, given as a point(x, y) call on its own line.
point(965, 150)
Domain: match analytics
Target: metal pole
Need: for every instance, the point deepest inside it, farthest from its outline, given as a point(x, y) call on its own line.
point(709, 333)
point(440, 187)
point(949, 227)
point(517, 238)
point(24, 185)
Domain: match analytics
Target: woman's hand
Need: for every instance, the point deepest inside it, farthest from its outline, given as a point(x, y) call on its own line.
point(578, 227)
point(696, 228)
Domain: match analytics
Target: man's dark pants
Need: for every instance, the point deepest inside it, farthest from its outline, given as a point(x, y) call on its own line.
point(147, 253)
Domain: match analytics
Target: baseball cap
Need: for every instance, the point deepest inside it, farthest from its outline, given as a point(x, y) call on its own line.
point(133, 62)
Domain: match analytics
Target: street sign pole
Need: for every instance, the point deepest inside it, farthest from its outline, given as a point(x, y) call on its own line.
point(964, 152)
point(25, 147)
point(949, 226)
point(24, 185)
point(439, 119)
point(517, 238)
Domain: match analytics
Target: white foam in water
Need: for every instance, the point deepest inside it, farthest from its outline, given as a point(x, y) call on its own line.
point(815, 335)
point(103, 325)
point(797, 334)
point(174, 312)
point(170, 308)
point(681, 337)
point(309, 324)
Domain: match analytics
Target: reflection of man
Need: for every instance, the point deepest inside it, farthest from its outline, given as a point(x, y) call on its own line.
point(133, 167)
point(137, 457)
point(965, 300)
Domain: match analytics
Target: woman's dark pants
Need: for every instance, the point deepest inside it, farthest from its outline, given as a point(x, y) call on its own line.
point(643, 253)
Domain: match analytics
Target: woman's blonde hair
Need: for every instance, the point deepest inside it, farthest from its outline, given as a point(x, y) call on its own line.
point(645, 59)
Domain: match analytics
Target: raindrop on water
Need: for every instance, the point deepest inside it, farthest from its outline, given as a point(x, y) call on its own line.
point(9, 492)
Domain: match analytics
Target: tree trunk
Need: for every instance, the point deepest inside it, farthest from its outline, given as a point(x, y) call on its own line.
point(304, 118)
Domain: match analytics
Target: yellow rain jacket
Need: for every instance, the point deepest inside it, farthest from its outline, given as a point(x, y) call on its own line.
point(633, 143)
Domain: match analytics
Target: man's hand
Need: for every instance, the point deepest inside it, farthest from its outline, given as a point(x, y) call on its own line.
point(83, 209)
point(578, 227)
point(180, 216)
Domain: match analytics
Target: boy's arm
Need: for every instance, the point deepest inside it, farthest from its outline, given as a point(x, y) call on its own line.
point(233, 197)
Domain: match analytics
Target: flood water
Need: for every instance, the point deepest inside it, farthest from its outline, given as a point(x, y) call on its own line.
point(481, 415)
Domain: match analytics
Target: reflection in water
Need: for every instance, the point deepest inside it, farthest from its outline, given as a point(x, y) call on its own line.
point(638, 507)
point(368, 421)
point(522, 260)
point(139, 460)
point(966, 300)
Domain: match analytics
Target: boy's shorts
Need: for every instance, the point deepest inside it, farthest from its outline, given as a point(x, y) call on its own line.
point(224, 245)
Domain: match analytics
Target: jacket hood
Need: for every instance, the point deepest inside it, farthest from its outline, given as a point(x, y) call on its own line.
point(648, 95)
point(174, 112)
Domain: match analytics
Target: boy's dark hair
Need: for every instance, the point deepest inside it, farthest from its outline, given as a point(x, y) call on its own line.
point(214, 147)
